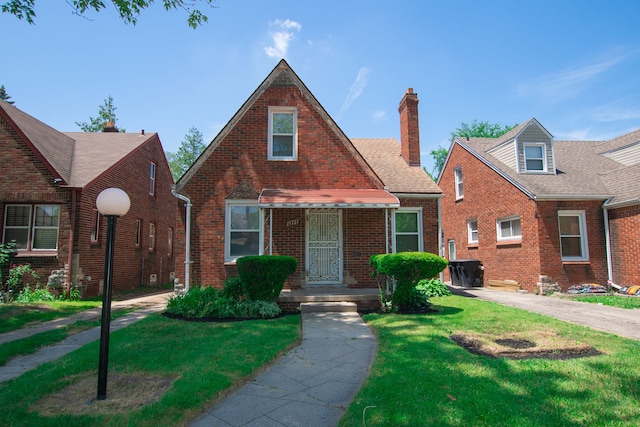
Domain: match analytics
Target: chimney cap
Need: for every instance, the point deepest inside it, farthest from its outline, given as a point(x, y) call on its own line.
point(410, 90)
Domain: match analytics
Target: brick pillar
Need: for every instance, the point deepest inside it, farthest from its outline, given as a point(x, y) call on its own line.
point(409, 128)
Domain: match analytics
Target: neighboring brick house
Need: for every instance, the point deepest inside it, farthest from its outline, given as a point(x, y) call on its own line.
point(48, 187)
point(282, 178)
point(526, 205)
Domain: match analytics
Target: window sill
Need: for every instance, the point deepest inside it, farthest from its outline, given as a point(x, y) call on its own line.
point(35, 254)
point(584, 262)
point(231, 263)
point(512, 242)
point(472, 246)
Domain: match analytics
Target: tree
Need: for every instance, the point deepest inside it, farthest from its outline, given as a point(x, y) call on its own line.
point(439, 156)
point(190, 149)
point(4, 96)
point(482, 129)
point(106, 115)
point(129, 10)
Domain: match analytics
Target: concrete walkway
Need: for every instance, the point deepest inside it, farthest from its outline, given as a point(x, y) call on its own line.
point(312, 385)
point(21, 364)
point(620, 321)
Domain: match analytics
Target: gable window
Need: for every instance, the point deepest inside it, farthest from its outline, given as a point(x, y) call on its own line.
point(457, 173)
point(283, 133)
point(573, 235)
point(407, 230)
point(508, 228)
point(95, 227)
point(152, 237)
point(33, 227)
point(472, 231)
point(152, 178)
point(138, 232)
point(452, 250)
point(535, 159)
point(243, 229)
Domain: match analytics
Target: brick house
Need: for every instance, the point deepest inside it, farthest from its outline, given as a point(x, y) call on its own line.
point(526, 205)
point(282, 178)
point(49, 184)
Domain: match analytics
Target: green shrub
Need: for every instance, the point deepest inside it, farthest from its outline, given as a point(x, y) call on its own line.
point(233, 288)
point(38, 294)
point(207, 302)
point(407, 269)
point(263, 276)
point(433, 288)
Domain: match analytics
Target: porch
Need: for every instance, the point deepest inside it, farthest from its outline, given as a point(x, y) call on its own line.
point(366, 299)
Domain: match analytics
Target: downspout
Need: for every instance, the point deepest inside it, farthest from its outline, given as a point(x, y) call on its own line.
point(607, 239)
point(71, 239)
point(187, 250)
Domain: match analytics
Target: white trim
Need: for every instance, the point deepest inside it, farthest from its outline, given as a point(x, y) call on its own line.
point(471, 230)
point(459, 182)
point(543, 147)
point(283, 110)
point(152, 178)
point(227, 227)
point(584, 243)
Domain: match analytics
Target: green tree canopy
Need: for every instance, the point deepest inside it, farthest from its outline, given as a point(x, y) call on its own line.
point(190, 149)
point(439, 156)
point(481, 129)
point(4, 95)
point(129, 10)
point(106, 115)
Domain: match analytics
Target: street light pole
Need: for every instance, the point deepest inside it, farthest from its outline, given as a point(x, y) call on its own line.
point(111, 203)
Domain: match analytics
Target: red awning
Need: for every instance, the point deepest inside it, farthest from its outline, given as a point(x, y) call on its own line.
point(329, 198)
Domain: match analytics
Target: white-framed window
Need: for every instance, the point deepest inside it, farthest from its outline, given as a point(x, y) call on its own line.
point(95, 227)
point(138, 233)
point(472, 230)
point(243, 229)
point(152, 178)
point(457, 173)
point(170, 242)
point(407, 227)
point(452, 249)
point(535, 158)
point(573, 235)
point(152, 237)
point(283, 133)
point(508, 228)
point(33, 227)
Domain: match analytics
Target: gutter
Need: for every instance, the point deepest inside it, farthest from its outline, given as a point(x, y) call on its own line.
point(187, 251)
point(607, 241)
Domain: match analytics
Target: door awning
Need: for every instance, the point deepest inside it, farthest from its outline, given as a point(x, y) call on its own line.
point(328, 198)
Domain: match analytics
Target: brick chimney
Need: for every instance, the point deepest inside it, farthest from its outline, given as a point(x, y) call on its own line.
point(110, 127)
point(409, 128)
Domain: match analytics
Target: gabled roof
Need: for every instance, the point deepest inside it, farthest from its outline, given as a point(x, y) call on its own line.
point(582, 171)
point(384, 156)
point(77, 158)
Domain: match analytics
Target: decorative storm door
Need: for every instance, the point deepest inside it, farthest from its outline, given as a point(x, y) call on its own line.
point(324, 246)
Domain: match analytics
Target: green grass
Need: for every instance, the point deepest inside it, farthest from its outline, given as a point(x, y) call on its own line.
point(206, 358)
point(15, 316)
point(612, 300)
point(420, 377)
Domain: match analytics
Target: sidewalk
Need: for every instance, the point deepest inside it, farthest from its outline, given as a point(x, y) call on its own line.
point(18, 365)
point(620, 321)
point(312, 385)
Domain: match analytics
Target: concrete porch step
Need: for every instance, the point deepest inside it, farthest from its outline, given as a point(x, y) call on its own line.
point(328, 307)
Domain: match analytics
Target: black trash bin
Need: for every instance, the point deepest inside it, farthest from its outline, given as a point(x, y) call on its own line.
point(466, 272)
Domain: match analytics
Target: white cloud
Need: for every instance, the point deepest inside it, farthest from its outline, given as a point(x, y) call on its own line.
point(570, 81)
point(281, 36)
point(616, 111)
point(356, 88)
point(378, 115)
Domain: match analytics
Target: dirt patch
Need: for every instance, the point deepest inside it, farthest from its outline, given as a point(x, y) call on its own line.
point(125, 392)
point(530, 345)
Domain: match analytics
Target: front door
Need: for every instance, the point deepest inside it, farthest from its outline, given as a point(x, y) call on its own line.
point(324, 246)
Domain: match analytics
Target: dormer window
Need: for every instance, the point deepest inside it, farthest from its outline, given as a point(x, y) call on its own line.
point(283, 133)
point(535, 159)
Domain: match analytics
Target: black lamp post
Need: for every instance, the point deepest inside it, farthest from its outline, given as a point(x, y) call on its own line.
point(111, 203)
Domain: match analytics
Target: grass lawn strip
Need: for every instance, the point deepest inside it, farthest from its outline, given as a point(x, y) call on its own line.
point(620, 301)
point(422, 377)
point(198, 361)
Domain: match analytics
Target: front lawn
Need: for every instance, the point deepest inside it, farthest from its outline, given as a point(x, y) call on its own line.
point(421, 377)
point(17, 315)
point(194, 361)
point(612, 300)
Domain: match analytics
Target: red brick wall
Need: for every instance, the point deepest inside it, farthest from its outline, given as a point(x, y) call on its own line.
point(132, 265)
point(323, 162)
point(488, 197)
point(624, 226)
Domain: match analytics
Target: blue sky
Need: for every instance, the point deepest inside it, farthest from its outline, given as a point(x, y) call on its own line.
point(573, 65)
